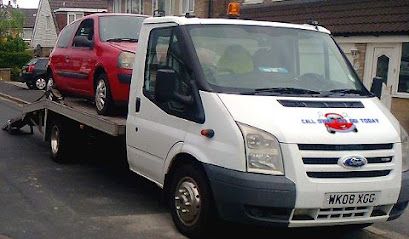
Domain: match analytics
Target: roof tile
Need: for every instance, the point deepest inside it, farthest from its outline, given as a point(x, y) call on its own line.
point(339, 16)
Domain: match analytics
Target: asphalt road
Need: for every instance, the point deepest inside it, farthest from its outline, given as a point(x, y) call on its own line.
point(97, 197)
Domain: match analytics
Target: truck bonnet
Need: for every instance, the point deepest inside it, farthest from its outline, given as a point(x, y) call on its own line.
point(316, 121)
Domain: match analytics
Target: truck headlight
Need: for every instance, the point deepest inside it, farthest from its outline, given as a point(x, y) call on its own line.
point(263, 151)
point(126, 59)
point(405, 149)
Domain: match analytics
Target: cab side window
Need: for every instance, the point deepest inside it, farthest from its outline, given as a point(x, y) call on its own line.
point(165, 52)
point(86, 29)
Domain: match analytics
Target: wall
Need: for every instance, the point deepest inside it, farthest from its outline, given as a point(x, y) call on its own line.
point(400, 109)
point(61, 20)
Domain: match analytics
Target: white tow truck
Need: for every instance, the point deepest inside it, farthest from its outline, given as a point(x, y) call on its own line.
point(249, 121)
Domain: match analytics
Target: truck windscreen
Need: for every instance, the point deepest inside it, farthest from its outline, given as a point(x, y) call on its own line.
point(262, 59)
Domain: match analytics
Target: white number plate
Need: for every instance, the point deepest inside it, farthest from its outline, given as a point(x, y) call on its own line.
point(351, 199)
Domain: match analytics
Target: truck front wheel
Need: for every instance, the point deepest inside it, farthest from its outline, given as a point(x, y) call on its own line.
point(190, 201)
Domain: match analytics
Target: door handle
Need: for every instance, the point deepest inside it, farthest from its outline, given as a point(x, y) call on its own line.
point(137, 104)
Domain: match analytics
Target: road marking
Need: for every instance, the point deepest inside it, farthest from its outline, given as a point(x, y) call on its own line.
point(385, 233)
point(17, 83)
point(13, 99)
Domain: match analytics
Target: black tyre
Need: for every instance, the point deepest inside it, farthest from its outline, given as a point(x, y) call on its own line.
point(103, 97)
point(30, 85)
point(60, 142)
point(40, 82)
point(190, 201)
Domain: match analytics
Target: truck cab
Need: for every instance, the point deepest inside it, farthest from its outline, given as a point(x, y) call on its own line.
point(261, 122)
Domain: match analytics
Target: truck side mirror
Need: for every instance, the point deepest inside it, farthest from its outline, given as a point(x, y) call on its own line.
point(82, 41)
point(166, 88)
point(377, 85)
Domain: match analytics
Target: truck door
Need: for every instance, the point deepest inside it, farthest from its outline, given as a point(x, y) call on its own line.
point(153, 128)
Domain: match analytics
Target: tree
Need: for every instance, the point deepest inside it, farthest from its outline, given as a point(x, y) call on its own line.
point(13, 50)
point(11, 21)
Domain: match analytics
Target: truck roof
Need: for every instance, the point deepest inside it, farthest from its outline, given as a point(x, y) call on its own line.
point(214, 21)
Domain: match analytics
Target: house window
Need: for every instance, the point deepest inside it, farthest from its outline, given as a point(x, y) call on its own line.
point(134, 6)
point(403, 86)
point(117, 7)
point(48, 23)
point(188, 6)
point(162, 5)
point(73, 16)
point(253, 1)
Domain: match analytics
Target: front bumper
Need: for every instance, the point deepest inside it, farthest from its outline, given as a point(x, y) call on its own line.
point(27, 77)
point(403, 199)
point(251, 198)
point(271, 201)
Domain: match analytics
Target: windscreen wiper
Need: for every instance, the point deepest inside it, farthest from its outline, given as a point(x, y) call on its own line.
point(344, 92)
point(281, 91)
point(122, 39)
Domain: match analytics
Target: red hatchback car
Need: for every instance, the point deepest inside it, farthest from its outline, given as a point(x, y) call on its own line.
point(94, 56)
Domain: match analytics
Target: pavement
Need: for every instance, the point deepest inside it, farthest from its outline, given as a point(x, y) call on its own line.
point(97, 197)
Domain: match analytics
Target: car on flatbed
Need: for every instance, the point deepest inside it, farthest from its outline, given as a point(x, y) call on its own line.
point(93, 58)
point(230, 118)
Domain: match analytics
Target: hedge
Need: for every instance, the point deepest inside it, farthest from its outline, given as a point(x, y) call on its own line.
point(14, 59)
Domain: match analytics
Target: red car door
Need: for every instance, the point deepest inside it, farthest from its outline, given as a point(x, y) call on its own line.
point(82, 59)
point(59, 58)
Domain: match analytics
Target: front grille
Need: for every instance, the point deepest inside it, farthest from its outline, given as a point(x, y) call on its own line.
point(321, 104)
point(326, 161)
point(353, 174)
point(322, 161)
point(328, 214)
point(344, 147)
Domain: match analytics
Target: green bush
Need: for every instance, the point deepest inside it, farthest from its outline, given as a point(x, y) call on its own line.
point(13, 44)
point(14, 59)
point(15, 74)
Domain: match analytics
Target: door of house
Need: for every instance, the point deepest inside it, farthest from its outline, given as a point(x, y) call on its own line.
point(384, 65)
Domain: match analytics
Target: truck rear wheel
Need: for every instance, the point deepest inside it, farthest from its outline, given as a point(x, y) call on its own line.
point(60, 143)
point(190, 201)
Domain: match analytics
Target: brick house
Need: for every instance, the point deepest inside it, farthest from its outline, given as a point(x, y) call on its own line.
point(53, 15)
point(201, 8)
point(28, 24)
point(374, 35)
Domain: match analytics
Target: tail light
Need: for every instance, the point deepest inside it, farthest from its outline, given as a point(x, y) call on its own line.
point(30, 68)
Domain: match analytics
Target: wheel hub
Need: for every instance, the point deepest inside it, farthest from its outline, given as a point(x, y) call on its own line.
point(41, 83)
point(187, 201)
point(100, 95)
point(55, 140)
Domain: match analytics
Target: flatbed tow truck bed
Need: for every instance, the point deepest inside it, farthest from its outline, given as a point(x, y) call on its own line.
point(74, 109)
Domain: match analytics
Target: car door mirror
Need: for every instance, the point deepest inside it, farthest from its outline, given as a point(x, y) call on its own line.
point(166, 88)
point(82, 41)
point(377, 85)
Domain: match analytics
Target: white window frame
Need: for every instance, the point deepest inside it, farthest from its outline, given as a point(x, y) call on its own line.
point(117, 6)
point(129, 3)
point(168, 6)
point(75, 16)
point(396, 93)
point(185, 6)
